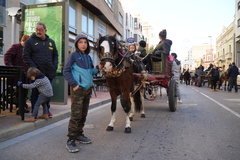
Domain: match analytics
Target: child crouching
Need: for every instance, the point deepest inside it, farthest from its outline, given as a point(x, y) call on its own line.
point(42, 83)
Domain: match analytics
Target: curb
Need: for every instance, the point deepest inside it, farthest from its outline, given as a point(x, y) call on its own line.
point(20, 129)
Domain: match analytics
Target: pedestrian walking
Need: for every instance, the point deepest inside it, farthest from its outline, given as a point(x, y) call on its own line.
point(13, 57)
point(176, 71)
point(187, 77)
point(40, 51)
point(79, 71)
point(214, 73)
point(44, 87)
point(233, 72)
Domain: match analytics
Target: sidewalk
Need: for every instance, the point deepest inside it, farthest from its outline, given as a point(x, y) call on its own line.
point(11, 124)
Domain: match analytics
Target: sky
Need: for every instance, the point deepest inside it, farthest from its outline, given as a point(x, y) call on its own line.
point(188, 22)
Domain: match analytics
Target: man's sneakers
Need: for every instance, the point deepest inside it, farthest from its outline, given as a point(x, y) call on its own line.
point(179, 101)
point(83, 139)
point(71, 146)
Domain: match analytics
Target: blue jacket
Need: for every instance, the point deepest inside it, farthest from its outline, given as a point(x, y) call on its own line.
point(79, 68)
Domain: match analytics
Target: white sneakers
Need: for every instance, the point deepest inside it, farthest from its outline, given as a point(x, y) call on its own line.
point(179, 101)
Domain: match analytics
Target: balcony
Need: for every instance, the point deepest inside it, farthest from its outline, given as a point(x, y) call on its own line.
point(228, 55)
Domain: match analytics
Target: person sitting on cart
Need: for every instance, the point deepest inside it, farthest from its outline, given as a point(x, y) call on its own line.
point(164, 46)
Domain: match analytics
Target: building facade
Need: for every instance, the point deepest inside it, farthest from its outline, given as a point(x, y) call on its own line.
point(225, 47)
point(237, 33)
point(92, 18)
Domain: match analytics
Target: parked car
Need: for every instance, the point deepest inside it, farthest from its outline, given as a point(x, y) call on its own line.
point(238, 80)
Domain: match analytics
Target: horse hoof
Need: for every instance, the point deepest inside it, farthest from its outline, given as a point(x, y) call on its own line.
point(109, 128)
point(143, 116)
point(131, 118)
point(128, 130)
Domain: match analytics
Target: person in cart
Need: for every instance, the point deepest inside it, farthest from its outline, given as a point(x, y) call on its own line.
point(164, 46)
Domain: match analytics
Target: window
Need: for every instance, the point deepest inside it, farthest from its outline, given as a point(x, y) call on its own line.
point(135, 22)
point(238, 5)
point(238, 22)
point(88, 24)
point(120, 18)
point(1, 41)
point(109, 3)
point(126, 19)
point(2, 12)
point(72, 18)
point(230, 48)
point(209, 58)
point(102, 29)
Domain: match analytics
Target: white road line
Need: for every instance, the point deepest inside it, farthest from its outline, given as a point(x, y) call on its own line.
point(220, 104)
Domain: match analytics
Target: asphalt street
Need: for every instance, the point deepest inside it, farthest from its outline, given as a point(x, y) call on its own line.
point(204, 127)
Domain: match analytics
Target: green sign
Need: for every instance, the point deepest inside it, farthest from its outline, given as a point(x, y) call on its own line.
point(52, 14)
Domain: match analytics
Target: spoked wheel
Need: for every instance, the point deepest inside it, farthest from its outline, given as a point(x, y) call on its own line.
point(172, 96)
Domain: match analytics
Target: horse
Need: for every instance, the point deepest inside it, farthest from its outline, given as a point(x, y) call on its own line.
point(223, 80)
point(119, 64)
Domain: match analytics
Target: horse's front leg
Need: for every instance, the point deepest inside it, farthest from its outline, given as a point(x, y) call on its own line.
point(125, 102)
point(142, 103)
point(113, 109)
point(132, 111)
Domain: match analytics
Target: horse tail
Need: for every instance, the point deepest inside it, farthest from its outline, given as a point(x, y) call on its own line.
point(137, 101)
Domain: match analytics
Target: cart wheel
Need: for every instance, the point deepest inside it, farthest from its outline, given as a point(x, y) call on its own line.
point(199, 81)
point(172, 96)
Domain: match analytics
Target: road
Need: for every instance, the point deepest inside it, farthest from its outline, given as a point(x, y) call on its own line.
point(204, 127)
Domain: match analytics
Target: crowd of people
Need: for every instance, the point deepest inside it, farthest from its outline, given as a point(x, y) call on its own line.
point(214, 75)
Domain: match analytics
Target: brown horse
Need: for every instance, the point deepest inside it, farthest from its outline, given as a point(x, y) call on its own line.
point(223, 80)
point(118, 66)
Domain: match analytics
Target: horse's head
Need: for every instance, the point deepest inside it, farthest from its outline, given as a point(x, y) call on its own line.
point(108, 52)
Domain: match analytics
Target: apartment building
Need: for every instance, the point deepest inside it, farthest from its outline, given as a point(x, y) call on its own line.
point(237, 33)
point(225, 47)
point(92, 17)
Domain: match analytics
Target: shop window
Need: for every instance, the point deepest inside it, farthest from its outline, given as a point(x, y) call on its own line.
point(1, 41)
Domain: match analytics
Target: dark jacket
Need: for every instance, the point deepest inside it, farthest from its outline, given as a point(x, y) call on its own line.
point(143, 52)
point(163, 46)
point(187, 75)
point(41, 54)
point(233, 72)
point(215, 74)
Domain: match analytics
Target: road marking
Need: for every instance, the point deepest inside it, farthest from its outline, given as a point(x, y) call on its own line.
point(220, 104)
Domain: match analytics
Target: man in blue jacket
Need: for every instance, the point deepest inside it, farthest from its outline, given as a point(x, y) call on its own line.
point(233, 72)
point(40, 51)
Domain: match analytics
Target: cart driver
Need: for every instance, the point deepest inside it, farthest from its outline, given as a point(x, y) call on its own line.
point(164, 46)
